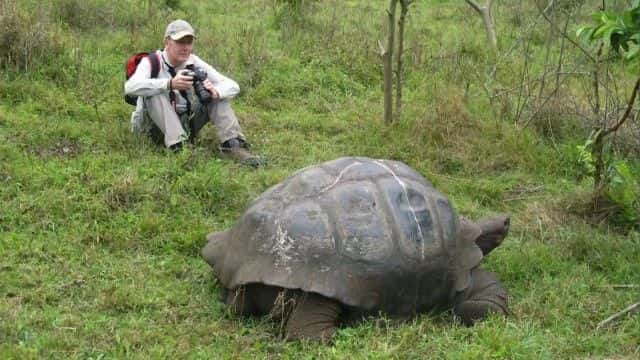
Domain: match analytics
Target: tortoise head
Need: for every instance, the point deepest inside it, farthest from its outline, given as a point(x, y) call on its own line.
point(494, 230)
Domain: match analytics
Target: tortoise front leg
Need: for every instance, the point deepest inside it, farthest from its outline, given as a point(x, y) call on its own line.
point(314, 317)
point(251, 299)
point(240, 301)
point(484, 296)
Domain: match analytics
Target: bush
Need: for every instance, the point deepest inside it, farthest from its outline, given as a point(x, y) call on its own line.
point(86, 15)
point(27, 37)
point(624, 191)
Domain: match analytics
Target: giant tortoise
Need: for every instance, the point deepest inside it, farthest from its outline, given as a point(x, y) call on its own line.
point(354, 237)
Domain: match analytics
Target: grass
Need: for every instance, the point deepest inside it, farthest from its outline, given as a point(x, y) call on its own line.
point(100, 231)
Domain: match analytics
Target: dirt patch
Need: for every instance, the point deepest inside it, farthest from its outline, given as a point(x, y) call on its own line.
point(62, 149)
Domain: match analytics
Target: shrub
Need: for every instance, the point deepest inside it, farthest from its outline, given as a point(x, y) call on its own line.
point(86, 15)
point(27, 37)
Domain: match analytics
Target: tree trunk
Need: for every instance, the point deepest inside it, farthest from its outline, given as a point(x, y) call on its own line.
point(387, 58)
point(404, 8)
point(487, 19)
point(597, 154)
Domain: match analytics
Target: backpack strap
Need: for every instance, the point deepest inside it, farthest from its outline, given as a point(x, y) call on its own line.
point(183, 93)
point(154, 60)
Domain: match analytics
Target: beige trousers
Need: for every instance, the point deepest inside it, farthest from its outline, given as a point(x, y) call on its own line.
point(177, 128)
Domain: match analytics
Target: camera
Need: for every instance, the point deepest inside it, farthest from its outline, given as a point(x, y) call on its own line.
point(199, 75)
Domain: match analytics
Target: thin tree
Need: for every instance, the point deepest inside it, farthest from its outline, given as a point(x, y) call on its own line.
point(387, 57)
point(620, 33)
point(386, 53)
point(404, 8)
point(487, 19)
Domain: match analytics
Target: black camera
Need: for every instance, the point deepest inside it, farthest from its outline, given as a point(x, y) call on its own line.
point(199, 75)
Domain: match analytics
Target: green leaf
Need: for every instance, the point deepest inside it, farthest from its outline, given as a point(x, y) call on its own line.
point(582, 30)
point(634, 51)
point(608, 17)
point(585, 34)
point(596, 17)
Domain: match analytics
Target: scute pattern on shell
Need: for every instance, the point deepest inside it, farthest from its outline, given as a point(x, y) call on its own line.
point(370, 233)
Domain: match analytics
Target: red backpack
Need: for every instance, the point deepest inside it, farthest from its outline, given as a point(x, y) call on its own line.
point(132, 64)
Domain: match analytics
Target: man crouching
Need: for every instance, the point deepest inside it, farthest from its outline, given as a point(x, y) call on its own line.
point(178, 93)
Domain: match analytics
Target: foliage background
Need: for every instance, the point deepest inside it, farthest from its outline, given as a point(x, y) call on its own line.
point(100, 231)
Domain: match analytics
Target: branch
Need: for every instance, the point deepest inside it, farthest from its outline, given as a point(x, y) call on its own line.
point(474, 5)
point(623, 286)
point(610, 319)
point(537, 111)
point(529, 27)
point(626, 112)
point(530, 82)
point(406, 3)
point(505, 55)
point(564, 34)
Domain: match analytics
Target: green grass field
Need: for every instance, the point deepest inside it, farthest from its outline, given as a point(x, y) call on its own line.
point(101, 231)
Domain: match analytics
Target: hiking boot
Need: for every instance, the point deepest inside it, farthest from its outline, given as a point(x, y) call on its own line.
point(177, 147)
point(236, 149)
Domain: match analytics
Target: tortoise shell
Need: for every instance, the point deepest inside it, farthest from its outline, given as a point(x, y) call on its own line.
point(372, 234)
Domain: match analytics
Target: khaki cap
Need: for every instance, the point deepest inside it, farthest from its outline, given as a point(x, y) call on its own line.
point(178, 29)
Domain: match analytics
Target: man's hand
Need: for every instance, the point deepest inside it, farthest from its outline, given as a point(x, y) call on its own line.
point(209, 86)
point(182, 81)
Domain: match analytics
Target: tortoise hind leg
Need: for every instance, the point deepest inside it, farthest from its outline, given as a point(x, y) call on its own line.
point(484, 296)
point(314, 317)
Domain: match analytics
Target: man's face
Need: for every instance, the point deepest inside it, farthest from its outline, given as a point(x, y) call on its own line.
point(178, 51)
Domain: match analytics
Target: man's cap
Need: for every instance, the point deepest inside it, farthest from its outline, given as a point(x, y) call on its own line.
point(178, 29)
